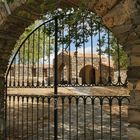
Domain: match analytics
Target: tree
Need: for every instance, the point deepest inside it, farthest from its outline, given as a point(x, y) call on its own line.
point(117, 53)
point(37, 46)
point(73, 18)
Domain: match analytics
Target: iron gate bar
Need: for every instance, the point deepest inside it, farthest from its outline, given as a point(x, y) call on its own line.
point(92, 47)
point(47, 83)
point(110, 104)
point(39, 102)
point(100, 53)
point(69, 56)
point(109, 77)
point(56, 79)
point(49, 60)
point(43, 54)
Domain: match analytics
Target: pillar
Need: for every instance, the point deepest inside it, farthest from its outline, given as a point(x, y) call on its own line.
point(2, 107)
point(134, 86)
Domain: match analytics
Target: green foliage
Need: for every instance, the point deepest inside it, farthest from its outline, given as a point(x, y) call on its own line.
point(77, 21)
point(76, 28)
point(36, 42)
point(10, 1)
point(116, 51)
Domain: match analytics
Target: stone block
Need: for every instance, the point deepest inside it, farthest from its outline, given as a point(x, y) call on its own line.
point(138, 85)
point(134, 116)
point(121, 29)
point(120, 14)
point(133, 72)
point(133, 49)
point(134, 60)
point(102, 6)
point(133, 133)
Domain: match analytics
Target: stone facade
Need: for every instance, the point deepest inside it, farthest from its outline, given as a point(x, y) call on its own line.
point(122, 17)
point(79, 68)
point(72, 69)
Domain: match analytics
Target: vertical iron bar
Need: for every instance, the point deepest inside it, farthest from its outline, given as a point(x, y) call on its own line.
point(62, 39)
point(19, 69)
point(9, 116)
point(63, 118)
point(69, 118)
point(49, 56)
point(93, 82)
point(32, 117)
point(38, 56)
point(84, 118)
point(84, 74)
point(101, 103)
point(93, 118)
point(13, 117)
point(76, 53)
point(33, 59)
point(43, 118)
point(22, 117)
point(37, 117)
point(27, 99)
point(119, 76)
point(120, 116)
point(100, 58)
point(44, 35)
point(10, 78)
point(110, 105)
point(23, 84)
point(14, 84)
point(18, 118)
point(55, 81)
point(70, 69)
point(77, 101)
point(109, 68)
point(28, 57)
point(48, 118)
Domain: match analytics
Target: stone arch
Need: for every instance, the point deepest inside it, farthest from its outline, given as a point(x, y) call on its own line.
point(88, 74)
point(122, 17)
point(64, 61)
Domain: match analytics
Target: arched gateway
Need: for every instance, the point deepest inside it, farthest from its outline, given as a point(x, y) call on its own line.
point(64, 116)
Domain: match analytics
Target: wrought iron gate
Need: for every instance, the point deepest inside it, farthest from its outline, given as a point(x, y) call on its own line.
point(52, 57)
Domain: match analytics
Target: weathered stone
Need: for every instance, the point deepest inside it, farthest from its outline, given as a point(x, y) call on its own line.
point(134, 116)
point(133, 133)
point(133, 50)
point(121, 29)
point(138, 85)
point(102, 7)
point(134, 60)
point(120, 13)
point(133, 72)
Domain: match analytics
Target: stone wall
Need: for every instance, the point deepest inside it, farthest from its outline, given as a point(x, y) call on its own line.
point(80, 67)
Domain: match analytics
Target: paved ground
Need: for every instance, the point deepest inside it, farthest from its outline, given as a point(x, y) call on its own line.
point(89, 125)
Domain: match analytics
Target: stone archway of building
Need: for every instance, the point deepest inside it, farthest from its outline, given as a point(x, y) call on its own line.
point(122, 17)
point(61, 74)
point(88, 75)
point(64, 68)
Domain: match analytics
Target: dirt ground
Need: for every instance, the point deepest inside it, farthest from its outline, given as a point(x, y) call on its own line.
point(94, 91)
